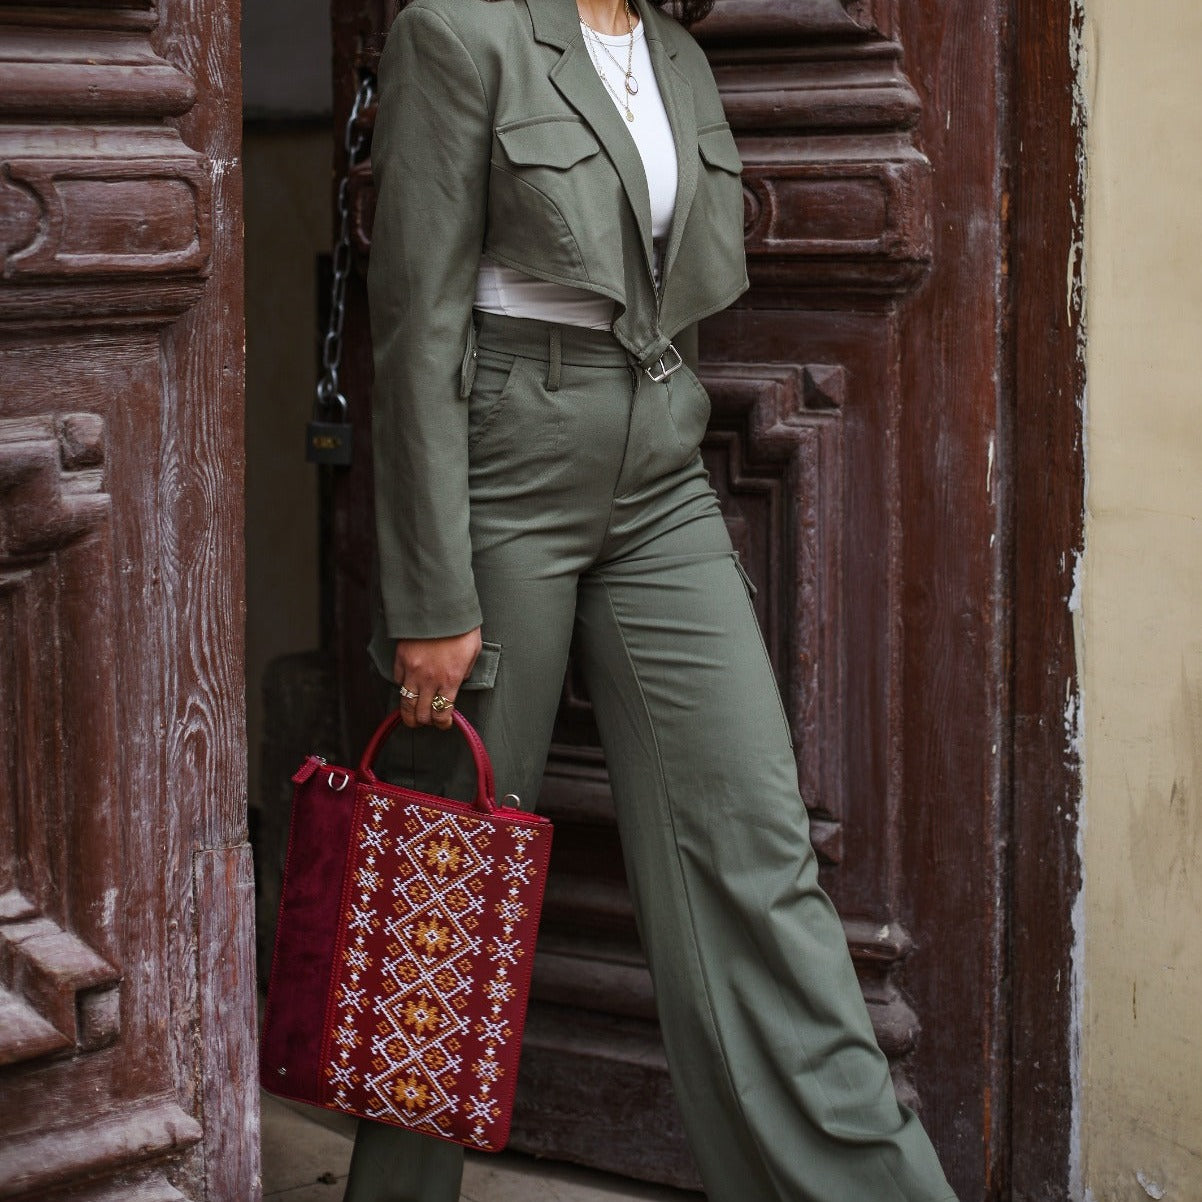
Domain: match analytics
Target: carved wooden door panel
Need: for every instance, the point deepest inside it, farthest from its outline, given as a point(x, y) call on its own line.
point(853, 441)
point(126, 894)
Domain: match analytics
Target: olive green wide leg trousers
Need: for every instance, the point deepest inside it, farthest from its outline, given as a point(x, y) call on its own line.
point(592, 515)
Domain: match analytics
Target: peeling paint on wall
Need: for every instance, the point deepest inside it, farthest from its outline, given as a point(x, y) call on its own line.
point(1149, 1187)
point(1074, 718)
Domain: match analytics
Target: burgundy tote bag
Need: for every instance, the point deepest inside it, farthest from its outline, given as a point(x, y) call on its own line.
point(404, 949)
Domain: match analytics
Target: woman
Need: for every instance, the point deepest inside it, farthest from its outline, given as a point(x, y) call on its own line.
point(559, 203)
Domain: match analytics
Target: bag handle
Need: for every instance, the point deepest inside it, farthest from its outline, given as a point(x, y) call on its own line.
point(486, 789)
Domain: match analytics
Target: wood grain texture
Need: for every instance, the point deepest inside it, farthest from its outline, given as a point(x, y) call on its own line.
point(199, 518)
point(951, 740)
point(32, 1165)
point(120, 608)
point(225, 910)
point(60, 942)
point(748, 20)
point(1047, 387)
point(140, 218)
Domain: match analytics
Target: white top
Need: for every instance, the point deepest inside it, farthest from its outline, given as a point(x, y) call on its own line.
point(502, 289)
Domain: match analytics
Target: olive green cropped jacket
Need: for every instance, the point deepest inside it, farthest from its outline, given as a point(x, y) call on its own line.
point(495, 136)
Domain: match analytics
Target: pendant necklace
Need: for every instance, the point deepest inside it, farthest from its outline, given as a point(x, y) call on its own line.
point(592, 40)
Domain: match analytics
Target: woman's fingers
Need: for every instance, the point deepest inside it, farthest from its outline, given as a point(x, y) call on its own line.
point(408, 706)
point(417, 697)
point(421, 711)
point(427, 669)
point(430, 707)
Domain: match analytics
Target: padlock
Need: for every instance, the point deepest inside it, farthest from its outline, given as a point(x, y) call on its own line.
point(330, 443)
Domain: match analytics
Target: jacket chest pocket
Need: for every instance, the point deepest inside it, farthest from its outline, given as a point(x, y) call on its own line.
point(712, 265)
point(722, 171)
point(548, 178)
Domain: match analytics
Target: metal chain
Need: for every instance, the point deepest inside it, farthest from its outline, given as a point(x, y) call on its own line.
point(354, 141)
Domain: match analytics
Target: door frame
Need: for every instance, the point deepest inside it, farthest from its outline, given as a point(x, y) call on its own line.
point(1046, 381)
point(1040, 472)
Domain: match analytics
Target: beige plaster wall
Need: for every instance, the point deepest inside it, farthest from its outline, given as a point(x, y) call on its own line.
point(1141, 607)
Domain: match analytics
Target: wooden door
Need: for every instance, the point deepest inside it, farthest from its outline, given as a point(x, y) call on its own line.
point(861, 444)
point(126, 894)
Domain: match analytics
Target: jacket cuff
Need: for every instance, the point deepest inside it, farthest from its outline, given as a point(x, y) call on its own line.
point(435, 621)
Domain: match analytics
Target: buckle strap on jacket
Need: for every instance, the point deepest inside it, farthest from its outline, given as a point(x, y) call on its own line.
point(662, 365)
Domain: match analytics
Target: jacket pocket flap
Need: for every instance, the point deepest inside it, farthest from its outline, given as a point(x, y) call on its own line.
point(718, 148)
point(484, 671)
point(558, 142)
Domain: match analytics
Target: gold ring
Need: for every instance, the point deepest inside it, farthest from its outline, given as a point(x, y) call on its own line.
point(407, 694)
point(441, 704)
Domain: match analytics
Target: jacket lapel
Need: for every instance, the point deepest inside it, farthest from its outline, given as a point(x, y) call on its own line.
point(557, 23)
point(677, 93)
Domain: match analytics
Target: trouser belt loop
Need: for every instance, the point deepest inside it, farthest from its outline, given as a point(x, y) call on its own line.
point(554, 359)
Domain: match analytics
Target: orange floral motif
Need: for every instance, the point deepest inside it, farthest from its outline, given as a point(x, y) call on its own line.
point(393, 1048)
point(422, 1015)
point(411, 1093)
point(431, 938)
point(443, 856)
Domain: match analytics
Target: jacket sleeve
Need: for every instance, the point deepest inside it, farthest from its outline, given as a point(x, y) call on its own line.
point(430, 161)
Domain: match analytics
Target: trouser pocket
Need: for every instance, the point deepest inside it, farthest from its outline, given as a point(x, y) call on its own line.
point(514, 421)
point(689, 407)
point(493, 380)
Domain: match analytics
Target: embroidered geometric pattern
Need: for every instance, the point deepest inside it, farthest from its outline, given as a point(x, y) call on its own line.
point(425, 997)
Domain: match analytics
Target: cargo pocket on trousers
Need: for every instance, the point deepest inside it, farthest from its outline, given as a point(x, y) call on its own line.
point(748, 583)
point(751, 590)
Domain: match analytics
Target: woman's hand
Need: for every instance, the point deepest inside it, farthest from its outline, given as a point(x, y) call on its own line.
point(433, 666)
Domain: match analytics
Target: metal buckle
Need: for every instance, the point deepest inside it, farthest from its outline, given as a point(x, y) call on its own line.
point(665, 372)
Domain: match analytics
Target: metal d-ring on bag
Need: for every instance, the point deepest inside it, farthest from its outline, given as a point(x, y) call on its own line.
point(329, 436)
point(404, 949)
